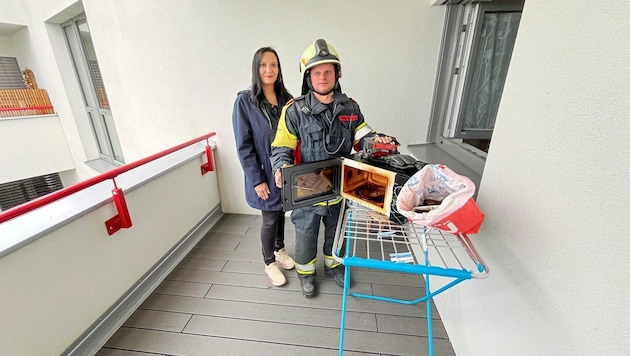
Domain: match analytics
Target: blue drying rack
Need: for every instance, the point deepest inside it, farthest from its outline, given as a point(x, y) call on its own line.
point(372, 241)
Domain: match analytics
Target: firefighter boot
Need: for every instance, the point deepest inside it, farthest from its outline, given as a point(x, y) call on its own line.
point(338, 273)
point(307, 283)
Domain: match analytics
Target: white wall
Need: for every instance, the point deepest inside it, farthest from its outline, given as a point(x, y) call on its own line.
point(43, 50)
point(6, 47)
point(12, 12)
point(37, 144)
point(172, 72)
point(53, 289)
point(555, 194)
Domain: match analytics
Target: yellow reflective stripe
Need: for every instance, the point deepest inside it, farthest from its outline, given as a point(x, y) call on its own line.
point(308, 268)
point(331, 201)
point(361, 131)
point(363, 124)
point(284, 138)
point(330, 262)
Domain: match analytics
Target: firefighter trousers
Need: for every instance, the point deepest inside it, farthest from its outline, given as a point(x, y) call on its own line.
point(307, 222)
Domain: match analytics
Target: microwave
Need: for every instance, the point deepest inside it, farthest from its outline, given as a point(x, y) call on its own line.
point(372, 182)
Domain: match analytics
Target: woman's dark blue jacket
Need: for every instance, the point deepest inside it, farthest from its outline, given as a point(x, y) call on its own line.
point(254, 129)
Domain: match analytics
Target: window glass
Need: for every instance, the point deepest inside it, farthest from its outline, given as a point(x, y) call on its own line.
point(92, 63)
point(93, 88)
point(478, 43)
point(488, 72)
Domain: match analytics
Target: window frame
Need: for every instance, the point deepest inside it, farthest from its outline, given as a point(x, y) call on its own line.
point(99, 116)
point(459, 47)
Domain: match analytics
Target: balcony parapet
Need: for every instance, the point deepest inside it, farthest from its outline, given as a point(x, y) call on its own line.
point(24, 102)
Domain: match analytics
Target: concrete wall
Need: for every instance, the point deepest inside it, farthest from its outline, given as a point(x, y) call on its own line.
point(555, 194)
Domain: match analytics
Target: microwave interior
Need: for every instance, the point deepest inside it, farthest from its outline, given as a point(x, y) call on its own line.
point(311, 183)
point(368, 185)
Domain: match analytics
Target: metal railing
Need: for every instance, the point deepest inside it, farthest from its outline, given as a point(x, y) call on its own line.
point(122, 220)
point(24, 102)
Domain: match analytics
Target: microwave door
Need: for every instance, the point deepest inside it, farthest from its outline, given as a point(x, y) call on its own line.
point(368, 186)
point(310, 183)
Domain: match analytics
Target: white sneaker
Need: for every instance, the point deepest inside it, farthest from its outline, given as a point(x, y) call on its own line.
point(276, 277)
point(284, 259)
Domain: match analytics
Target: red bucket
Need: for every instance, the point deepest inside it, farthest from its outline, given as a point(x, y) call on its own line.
point(465, 220)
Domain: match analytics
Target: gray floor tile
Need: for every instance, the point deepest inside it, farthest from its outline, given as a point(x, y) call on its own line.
point(254, 246)
point(386, 278)
point(202, 263)
point(158, 320)
point(183, 288)
point(218, 301)
point(162, 342)
point(259, 311)
point(224, 255)
point(218, 245)
point(232, 229)
point(396, 324)
point(114, 352)
point(213, 277)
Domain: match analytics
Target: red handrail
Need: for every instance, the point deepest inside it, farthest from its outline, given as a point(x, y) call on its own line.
point(62, 193)
point(41, 110)
point(27, 108)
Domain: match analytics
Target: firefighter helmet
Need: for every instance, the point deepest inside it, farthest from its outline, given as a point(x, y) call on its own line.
point(317, 53)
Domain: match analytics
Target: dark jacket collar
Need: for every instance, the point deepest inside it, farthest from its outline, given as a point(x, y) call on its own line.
point(316, 107)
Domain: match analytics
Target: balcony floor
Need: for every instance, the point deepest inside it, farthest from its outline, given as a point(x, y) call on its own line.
point(218, 301)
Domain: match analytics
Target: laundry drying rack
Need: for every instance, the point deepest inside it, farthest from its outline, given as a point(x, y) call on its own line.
point(367, 239)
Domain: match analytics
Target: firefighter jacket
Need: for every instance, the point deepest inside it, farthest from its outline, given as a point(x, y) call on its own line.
point(254, 129)
point(322, 131)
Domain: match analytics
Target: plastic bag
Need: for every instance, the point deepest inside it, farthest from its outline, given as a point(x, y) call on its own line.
point(457, 211)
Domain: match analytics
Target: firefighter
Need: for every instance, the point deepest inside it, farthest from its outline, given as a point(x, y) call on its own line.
point(326, 124)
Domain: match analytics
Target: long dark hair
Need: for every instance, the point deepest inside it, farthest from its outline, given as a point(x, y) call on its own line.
point(282, 93)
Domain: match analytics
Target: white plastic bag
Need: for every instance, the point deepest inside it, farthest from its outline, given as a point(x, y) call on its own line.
point(458, 212)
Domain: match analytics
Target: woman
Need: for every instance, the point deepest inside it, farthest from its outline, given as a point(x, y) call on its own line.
point(255, 119)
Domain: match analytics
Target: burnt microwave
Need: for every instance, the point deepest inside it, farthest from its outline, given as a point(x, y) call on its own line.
point(372, 183)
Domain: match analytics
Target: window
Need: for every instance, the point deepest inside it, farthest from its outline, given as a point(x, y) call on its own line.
point(21, 191)
point(476, 52)
point(81, 48)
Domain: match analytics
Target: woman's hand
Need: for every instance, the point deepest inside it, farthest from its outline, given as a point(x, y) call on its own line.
point(262, 190)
